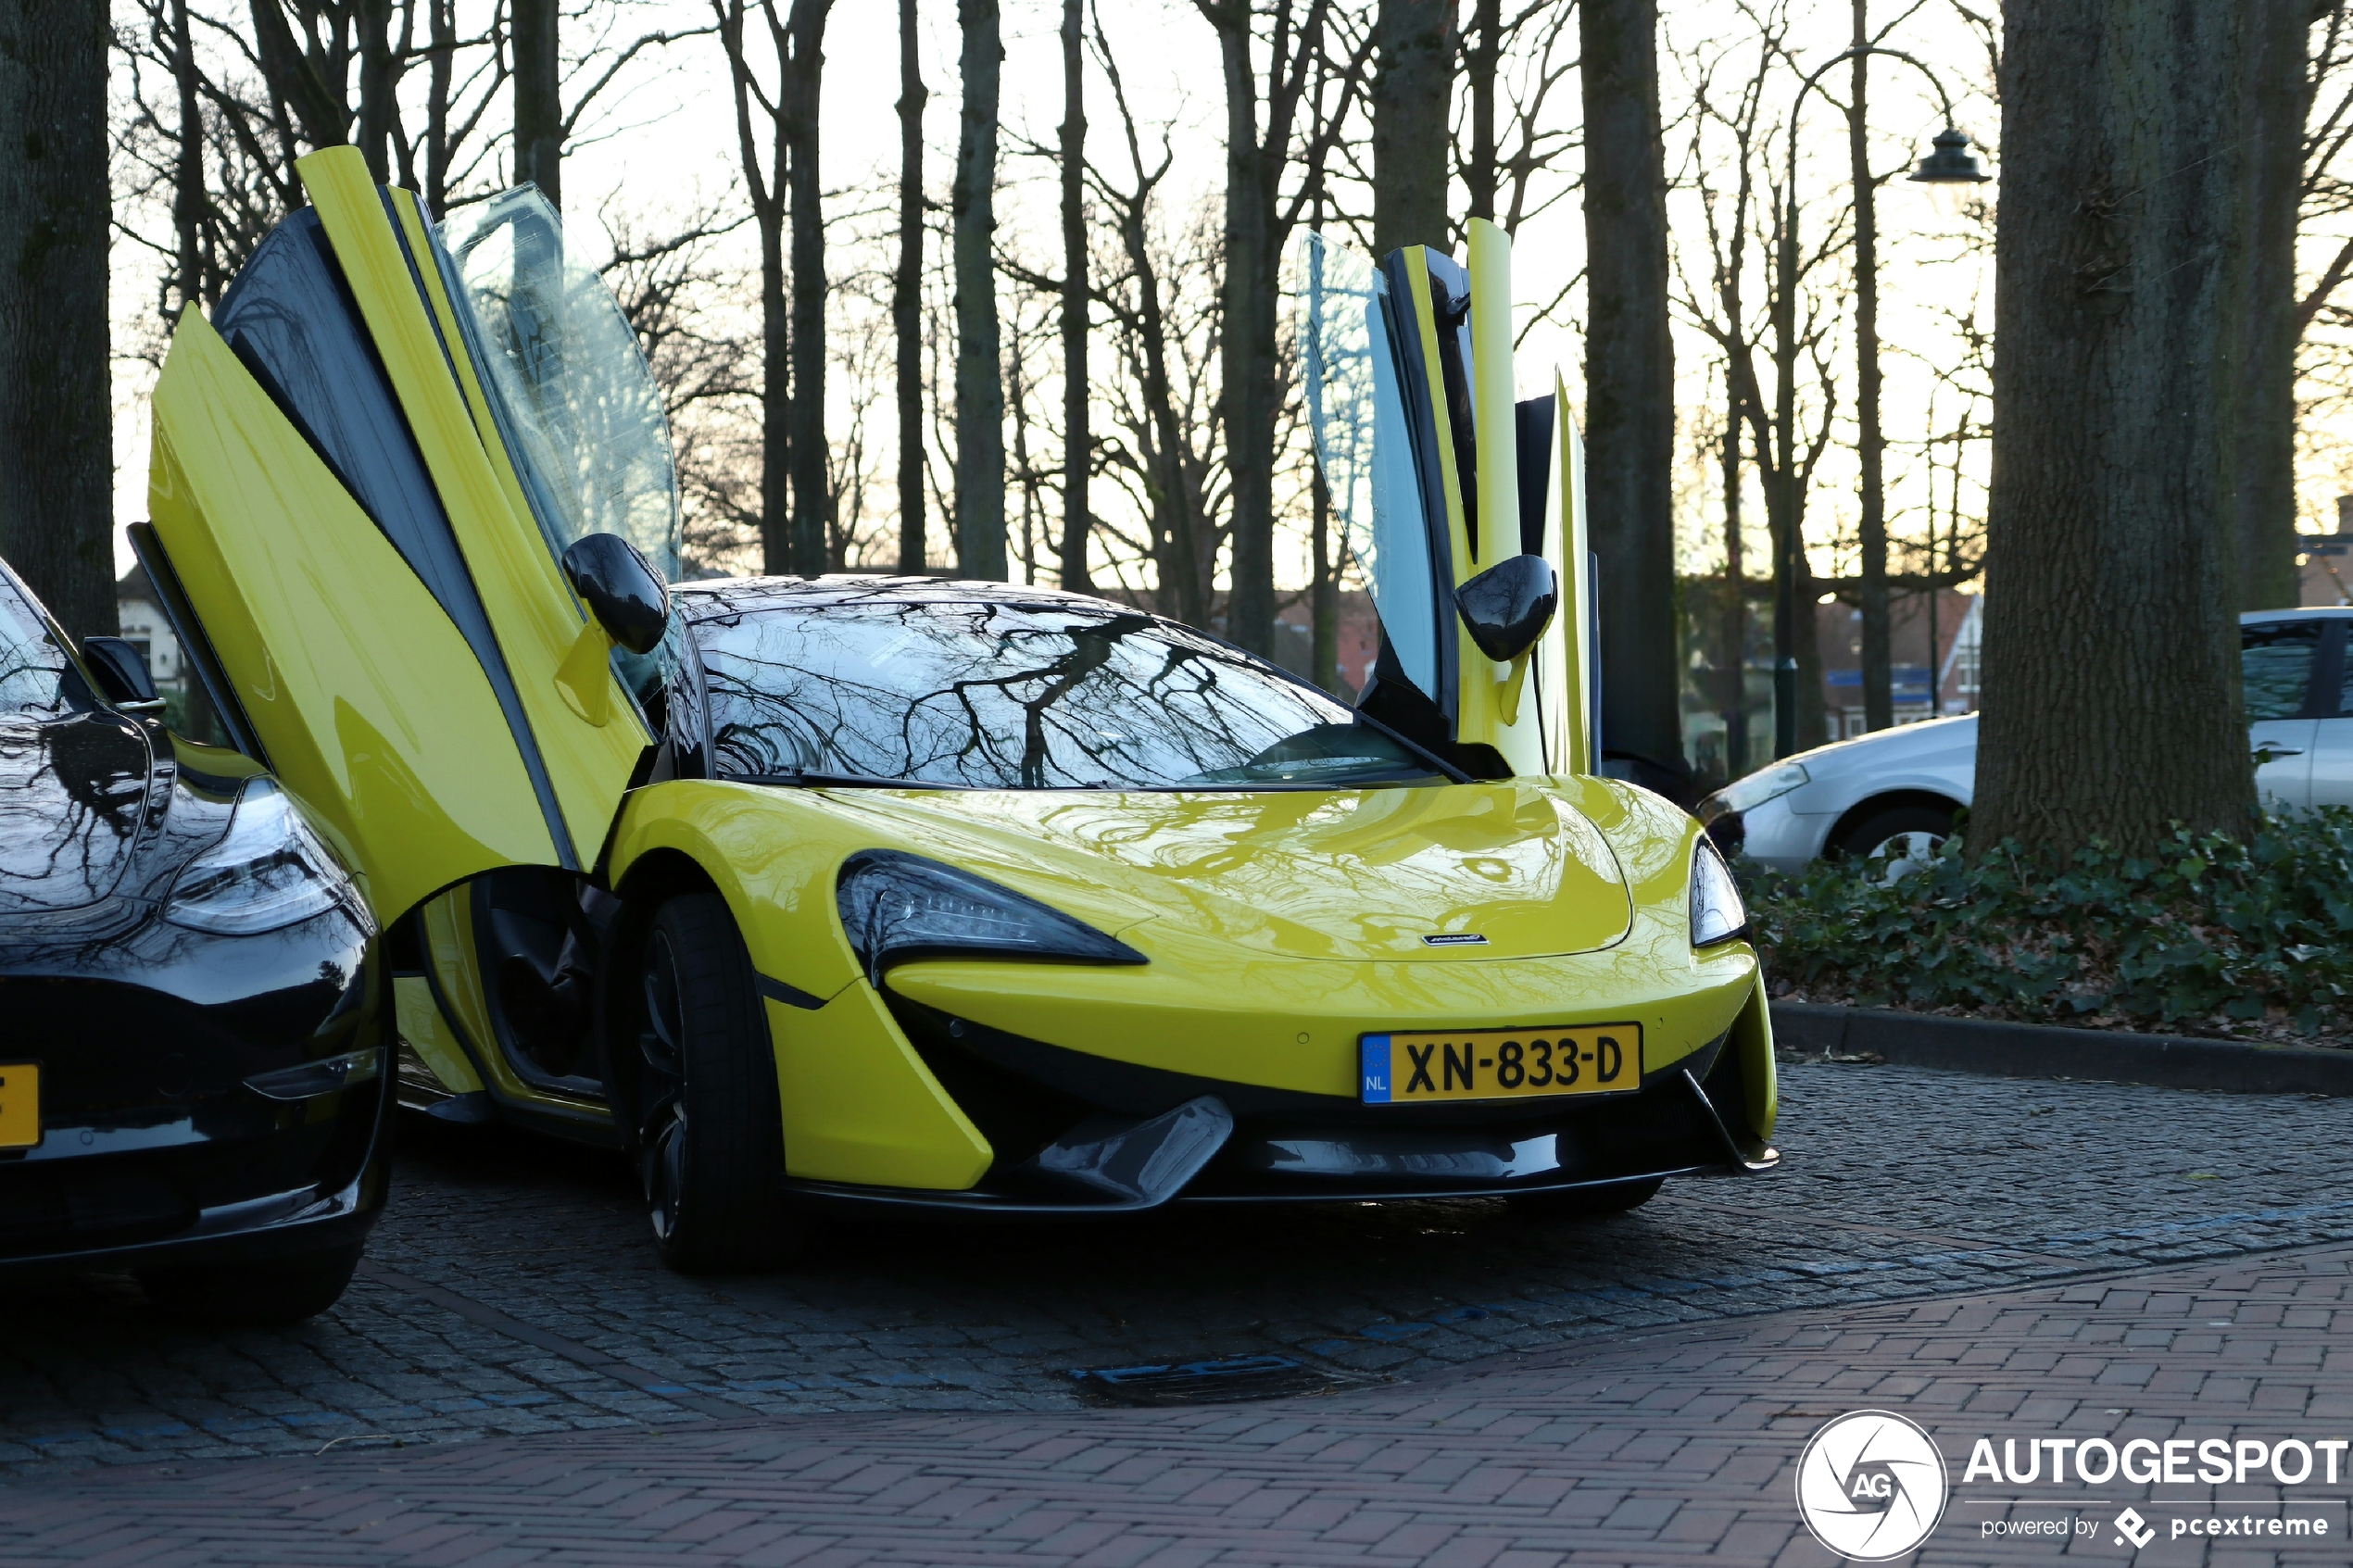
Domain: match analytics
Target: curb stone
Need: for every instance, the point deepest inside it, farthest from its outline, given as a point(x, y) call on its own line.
point(2042, 1050)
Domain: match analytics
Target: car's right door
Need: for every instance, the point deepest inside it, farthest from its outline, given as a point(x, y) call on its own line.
point(2333, 730)
point(2277, 662)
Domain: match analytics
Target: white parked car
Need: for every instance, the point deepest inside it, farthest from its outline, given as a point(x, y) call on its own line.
point(1895, 792)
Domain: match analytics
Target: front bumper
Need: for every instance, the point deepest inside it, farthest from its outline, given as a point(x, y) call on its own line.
point(1081, 1134)
point(153, 1147)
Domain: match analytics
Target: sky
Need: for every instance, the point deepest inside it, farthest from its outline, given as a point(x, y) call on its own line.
point(665, 136)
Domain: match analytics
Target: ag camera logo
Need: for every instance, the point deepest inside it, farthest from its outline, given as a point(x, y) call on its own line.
point(1871, 1486)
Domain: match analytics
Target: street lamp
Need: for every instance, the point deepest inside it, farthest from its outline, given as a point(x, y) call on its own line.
point(1949, 171)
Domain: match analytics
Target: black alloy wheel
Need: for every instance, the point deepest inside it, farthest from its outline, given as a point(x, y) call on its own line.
point(710, 1135)
point(1586, 1203)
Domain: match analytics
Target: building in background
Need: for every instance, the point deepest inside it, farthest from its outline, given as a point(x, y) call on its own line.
point(145, 627)
point(2325, 562)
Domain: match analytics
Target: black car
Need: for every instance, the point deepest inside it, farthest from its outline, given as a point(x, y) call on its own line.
point(194, 1021)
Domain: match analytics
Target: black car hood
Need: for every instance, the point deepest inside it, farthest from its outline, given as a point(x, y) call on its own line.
point(71, 790)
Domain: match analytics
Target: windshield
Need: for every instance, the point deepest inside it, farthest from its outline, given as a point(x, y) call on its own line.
point(577, 405)
point(33, 667)
point(1003, 695)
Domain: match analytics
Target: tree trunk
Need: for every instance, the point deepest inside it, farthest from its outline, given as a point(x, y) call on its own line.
point(539, 110)
point(1630, 381)
point(775, 377)
point(57, 447)
point(811, 495)
point(1413, 110)
point(1078, 447)
point(2111, 686)
point(980, 387)
point(379, 82)
point(1736, 598)
point(188, 189)
point(2262, 442)
point(1246, 362)
point(906, 295)
point(1480, 61)
point(1879, 693)
point(441, 30)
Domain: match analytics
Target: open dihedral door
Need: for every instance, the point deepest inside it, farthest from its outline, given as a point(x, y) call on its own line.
point(359, 496)
point(1445, 487)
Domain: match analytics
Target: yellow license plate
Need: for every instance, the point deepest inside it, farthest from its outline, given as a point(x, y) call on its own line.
point(1542, 1062)
point(20, 1104)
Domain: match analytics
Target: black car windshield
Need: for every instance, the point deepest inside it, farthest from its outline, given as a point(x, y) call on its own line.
point(999, 695)
point(33, 667)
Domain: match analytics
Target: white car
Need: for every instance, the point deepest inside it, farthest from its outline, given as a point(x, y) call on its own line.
point(1895, 792)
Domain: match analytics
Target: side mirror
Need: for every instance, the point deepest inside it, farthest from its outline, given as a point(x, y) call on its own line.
point(624, 593)
point(1506, 607)
point(122, 674)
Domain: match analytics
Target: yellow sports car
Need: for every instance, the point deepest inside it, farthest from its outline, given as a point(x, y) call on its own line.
point(874, 891)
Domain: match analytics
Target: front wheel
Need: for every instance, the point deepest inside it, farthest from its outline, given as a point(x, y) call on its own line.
point(710, 1134)
point(1904, 839)
point(267, 1293)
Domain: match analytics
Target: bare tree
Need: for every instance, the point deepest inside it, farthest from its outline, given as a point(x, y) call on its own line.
point(57, 471)
point(1258, 220)
point(1630, 381)
point(2112, 704)
point(1078, 449)
point(784, 183)
point(906, 299)
point(1412, 99)
point(1513, 62)
point(980, 388)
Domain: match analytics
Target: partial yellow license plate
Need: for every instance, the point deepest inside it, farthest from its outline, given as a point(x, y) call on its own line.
point(20, 1104)
point(1599, 1059)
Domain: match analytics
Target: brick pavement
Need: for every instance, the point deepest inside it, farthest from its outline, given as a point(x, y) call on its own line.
point(1657, 1447)
point(513, 1292)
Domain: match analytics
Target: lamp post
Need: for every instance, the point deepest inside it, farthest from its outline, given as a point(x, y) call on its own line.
point(1949, 168)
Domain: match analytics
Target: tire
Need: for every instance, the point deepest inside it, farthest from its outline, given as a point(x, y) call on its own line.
point(268, 1292)
point(1906, 833)
point(709, 1136)
point(1587, 1203)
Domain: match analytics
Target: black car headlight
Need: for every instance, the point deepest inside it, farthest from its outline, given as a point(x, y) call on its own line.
point(1717, 914)
point(897, 905)
point(269, 870)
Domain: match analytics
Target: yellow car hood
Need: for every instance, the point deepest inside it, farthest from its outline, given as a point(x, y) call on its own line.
point(1312, 874)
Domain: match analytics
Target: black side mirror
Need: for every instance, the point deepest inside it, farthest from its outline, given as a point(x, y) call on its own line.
point(621, 589)
point(1507, 606)
point(120, 671)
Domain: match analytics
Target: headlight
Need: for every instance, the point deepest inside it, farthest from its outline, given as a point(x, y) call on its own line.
point(268, 870)
point(1716, 912)
point(896, 906)
point(1746, 794)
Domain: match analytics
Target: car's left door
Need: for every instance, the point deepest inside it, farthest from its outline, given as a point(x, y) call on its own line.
point(2278, 661)
point(366, 466)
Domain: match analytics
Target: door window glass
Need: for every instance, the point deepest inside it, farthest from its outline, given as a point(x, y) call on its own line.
point(1355, 404)
point(577, 405)
point(33, 667)
point(2275, 664)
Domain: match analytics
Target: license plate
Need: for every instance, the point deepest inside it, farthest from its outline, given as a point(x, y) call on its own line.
point(1539, 1064)
point(20, 1104)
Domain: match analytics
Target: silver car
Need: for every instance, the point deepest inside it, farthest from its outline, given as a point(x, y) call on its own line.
point(1895, 793)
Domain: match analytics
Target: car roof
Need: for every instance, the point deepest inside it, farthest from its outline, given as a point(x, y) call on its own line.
point(710, 598)
point(2310, 612)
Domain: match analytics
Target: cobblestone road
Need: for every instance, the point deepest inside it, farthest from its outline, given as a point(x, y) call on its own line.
point(511, 1291)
